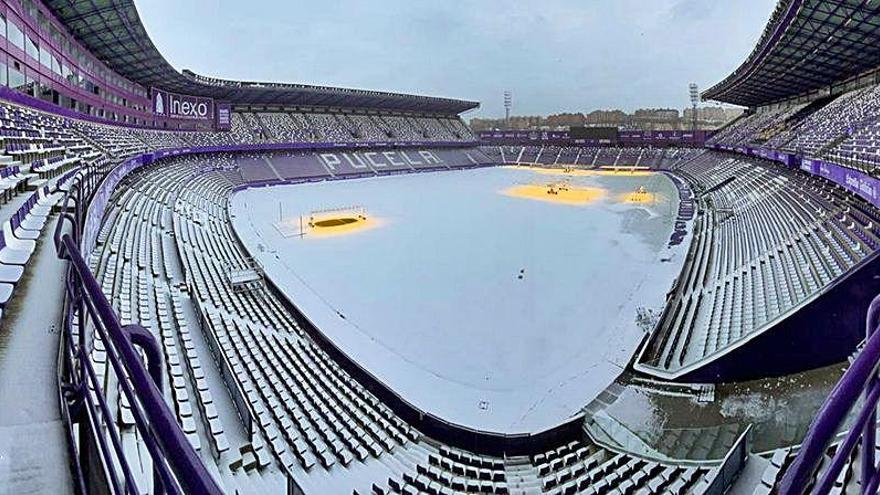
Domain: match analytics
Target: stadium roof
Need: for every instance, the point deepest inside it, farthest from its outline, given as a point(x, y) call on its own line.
point(807, 45)
point(112, 30)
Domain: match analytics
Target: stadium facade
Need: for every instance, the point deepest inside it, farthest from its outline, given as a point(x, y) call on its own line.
point(183, 368)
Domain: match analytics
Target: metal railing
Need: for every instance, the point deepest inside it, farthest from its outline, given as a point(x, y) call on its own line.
point(859, 384)
point(100, 463)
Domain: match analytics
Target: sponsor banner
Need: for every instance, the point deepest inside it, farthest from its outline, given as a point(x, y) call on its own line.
point(767, 153)
point(810, 165)
point(175, 106)
point(857, 182)
point(525, 135)
point(223, 121)
point(663, 136)
point(789, 159)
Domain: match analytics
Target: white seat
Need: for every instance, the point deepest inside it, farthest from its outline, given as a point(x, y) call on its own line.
point(24, 234)
point(11, 273)
point(25, 245)
point(49, 200)
point(41, 210)
point(33, 222)
point(11, 256)
point(5, 293)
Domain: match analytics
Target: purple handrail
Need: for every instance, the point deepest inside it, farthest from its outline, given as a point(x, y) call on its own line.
point(177, 466)
point(860, 378)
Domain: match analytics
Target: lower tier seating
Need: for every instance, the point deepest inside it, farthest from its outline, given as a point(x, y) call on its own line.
point(767, 240)
point(162, 258)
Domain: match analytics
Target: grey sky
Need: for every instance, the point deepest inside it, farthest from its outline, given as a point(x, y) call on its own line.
point(555, 55)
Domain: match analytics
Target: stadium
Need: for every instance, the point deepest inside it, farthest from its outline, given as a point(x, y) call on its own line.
point(220, 286)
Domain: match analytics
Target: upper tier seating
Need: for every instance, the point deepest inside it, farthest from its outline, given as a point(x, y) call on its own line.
point(835, 121)
point(861, 150)
point(282, 127)
point(749, 128)
point(844, 129)
point(40, 156)
point(287, 127)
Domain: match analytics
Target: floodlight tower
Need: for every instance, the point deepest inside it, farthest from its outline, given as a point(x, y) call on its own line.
point(695, 99)
point(508, 102)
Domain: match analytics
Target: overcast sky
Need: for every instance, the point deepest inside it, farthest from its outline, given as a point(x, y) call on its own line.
point(554, 55)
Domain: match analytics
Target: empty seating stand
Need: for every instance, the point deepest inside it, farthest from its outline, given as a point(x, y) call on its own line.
point(575, 468)
point(450, 471)
point(306, 411)
point(18, 237)
point(767, 242)
point(589, 157)
point(582, 468)
point(344, 127)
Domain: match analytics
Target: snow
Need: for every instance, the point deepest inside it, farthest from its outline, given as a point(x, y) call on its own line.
point(33, 440)
point(432, 304)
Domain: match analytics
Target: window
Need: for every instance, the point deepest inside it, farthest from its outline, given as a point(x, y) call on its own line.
point(31, 48)
point(45, 93)
point(2, 26)
point(16, 79)
point(45, 57)
point(30, 86)
point(15, 35)
point(3, 79)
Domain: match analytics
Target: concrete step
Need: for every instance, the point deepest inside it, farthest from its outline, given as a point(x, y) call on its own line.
point(522, 477)
point(33, 459)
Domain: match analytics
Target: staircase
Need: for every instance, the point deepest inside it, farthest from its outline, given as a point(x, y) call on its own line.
point(522, 477)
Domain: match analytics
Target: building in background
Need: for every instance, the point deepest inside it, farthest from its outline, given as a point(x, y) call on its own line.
point(643, 119)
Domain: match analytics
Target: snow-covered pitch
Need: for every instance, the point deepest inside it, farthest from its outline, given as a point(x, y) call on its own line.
point(493, 312)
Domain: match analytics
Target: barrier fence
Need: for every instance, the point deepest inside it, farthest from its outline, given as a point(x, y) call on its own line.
point(100, 463)
point(859, 382)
